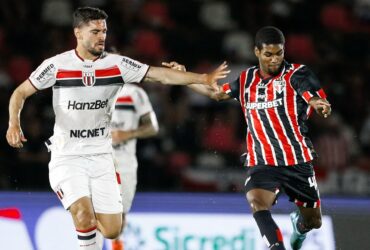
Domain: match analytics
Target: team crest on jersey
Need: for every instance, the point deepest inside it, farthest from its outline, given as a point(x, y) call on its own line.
point(279, 85)
point(88, 78)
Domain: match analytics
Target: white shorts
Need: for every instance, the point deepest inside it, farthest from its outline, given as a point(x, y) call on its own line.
point(73, 177)
point(127, 170)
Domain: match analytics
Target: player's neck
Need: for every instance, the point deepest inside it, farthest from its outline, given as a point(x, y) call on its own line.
point(264, 75)
point(84, 54)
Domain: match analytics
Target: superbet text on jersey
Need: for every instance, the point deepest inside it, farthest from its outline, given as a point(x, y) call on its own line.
point(276, 110)
point(83, 97)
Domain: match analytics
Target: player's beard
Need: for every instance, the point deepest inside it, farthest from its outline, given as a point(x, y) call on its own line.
point(95, 52)
point(275, 72)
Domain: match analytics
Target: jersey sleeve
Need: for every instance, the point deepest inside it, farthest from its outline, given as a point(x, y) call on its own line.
point(307, 85)
point(45, 75)
point(142, 102)
point(232, 88)
point(132, 71)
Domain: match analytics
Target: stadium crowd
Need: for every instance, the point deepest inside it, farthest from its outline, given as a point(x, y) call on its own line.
point(200, 143)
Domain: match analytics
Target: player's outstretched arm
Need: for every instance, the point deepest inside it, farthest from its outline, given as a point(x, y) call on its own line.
point(148, 128)
point(212, 91)
point(14, 135)
point(176, 77)
point(321, 106)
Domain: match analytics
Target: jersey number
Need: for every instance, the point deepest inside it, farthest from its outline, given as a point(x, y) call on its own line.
point(312, 182)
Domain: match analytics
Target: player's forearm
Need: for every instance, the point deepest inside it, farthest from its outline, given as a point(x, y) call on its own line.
point(144, 131)
point(174, 77)
point(15, 107)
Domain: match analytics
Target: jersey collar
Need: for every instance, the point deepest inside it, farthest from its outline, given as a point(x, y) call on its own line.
point(79, 57)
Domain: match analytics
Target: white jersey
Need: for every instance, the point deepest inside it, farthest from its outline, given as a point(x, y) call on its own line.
point(84, 92)
point(132, 103)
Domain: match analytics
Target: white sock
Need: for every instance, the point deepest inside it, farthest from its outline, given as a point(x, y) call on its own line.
point(87, 239)
point(99, 240)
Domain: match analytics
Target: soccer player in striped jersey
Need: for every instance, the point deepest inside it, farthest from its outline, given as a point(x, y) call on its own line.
point(277, 98)
point(133, 118)
point(85, 82)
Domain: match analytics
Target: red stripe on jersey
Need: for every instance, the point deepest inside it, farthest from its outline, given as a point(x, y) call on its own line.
point(307, 96)
point(242, 80)
point(124, 99)
point(69, 74)
point(250, 145)
point(260, 133)
point(278, 129)
point(226, 88)
point(321, 93)
point(113, 71)
point(309, 111)
point(292, 112)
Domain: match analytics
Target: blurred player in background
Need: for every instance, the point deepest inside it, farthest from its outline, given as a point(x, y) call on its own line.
point(85, 83)
point(133, 118)
point(277, 98)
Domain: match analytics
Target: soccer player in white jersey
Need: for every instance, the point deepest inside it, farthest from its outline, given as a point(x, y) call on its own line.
point(133, 118)
point(85, 82)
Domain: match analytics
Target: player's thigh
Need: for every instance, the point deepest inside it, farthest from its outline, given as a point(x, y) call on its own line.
point(260, 199)
point(68, 179)
point(128, 189)
point(261, 187)
point(300, 185)
point(104, 186)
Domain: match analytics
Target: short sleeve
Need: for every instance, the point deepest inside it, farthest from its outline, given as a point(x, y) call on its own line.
point(45, 75)
point(142, 102)
point(307, 85)
point(132, 71)
point(232, 88)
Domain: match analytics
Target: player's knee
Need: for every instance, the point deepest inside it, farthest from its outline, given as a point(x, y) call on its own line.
point(258, 204)
point(84, 219)
point(112, 232)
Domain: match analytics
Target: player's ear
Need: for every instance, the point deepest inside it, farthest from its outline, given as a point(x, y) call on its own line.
point(77, 32)
point(257, 52)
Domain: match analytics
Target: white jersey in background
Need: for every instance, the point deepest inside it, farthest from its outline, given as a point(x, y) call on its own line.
point(83, 97)
point(132, 103)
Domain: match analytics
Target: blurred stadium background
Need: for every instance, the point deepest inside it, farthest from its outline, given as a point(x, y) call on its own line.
point(200, 141)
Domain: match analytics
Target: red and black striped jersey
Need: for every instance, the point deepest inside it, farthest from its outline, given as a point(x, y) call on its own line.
point(276, 110)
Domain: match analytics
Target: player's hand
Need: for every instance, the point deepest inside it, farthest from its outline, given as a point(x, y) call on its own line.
point(219, 73)
point(322, 106)
point(174, 65)
point(120, 136)
point(15, 136)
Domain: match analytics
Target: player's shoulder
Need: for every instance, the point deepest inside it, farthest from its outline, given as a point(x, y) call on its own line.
point(66, 55)
point(295, 67)
point(63, 58)
point(111, 55)
point(249, 69)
